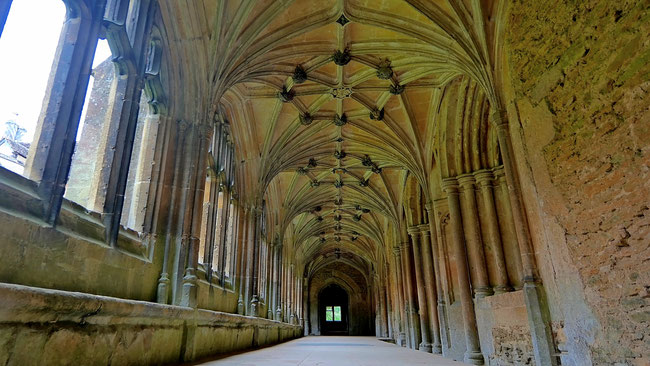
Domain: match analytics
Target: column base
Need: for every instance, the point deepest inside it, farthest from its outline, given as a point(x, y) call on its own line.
point(502, 289)
point(437, 348)
point(401, 339)
point(474, 358)
point(254, 305)
point(483, 292)
point(425, 347)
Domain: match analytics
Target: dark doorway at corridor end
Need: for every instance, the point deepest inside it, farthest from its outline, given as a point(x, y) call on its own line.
point(333, 310)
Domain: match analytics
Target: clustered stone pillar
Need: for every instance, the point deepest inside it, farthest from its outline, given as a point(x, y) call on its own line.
point(473, 353)
point(411, 310)
point(402, 321)
point(430, 287)
point(475, 253)
point(506, 225)
point(436, 235)
point(425, 345)
point(492, 239)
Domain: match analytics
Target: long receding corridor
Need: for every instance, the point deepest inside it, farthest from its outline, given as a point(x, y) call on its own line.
point(438, 180)
point(333, 351)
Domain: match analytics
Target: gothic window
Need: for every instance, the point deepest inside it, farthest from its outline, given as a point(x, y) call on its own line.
point(217, 228)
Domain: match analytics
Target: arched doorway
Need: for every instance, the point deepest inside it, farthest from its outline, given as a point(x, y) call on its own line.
point(333, 310)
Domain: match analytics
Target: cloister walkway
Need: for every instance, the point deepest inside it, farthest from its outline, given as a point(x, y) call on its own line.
point(338, 351)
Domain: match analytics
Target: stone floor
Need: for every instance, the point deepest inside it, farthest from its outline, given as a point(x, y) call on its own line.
point(337, 351)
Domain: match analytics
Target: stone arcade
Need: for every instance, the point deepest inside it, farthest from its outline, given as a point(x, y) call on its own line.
point(469, 179)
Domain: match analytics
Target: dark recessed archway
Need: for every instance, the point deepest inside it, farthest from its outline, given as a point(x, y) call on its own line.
point(333, 312)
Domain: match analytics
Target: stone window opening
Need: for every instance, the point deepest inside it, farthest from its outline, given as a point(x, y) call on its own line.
point(217, 226)
point(26, 67)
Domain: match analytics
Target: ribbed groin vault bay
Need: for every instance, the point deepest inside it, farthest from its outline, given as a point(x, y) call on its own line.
point(465, 178)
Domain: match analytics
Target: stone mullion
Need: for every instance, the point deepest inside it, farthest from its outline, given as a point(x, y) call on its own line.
point(494, 248)
point(257, 234)
point(125, 111)
point(423, 312)
point(431, 289)
point(277, 309)
point(438, 254)
point(534, 296)
point(401, 304)
point(249, 259)
point(473, 353)
point(410, 296)
point(475, 252)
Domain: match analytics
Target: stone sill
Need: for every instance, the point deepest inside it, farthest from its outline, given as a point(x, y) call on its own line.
point(214, 282)
point(19, 197)
point(24, 304)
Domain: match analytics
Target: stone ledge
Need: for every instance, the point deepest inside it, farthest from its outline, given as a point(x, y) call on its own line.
point(34, 322)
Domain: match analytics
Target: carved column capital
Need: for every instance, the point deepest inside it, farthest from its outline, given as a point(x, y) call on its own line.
point(466, 181)
point(499, 117)
point(450, 185)
point(424, 229)
point(484, 178)
point(405, 245)
point(499, 174)
point(429, 206)
point(414, 231)
point(396, 251)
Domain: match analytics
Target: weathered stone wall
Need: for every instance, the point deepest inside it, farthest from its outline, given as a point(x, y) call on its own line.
point(580, 78)
point(53, 327)
point(503, 329)
point(36, 255)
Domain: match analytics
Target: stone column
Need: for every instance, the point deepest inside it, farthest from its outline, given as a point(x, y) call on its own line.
point(402, 322)
point(384, 311)
point(436, 237)
point(473, 353)
point(507, 228)
point(475, 253)
point(425, 345)
point(534, 296)
point(257, 217)
point(489, 221)
point(414, 329)
point(429, 280)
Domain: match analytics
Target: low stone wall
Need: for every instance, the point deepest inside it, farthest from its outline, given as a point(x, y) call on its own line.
point(51, 327)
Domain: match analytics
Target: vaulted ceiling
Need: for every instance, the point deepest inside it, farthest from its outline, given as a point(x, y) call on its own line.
point(334, 105)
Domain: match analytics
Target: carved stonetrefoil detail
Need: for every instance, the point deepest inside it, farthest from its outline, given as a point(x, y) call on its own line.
point(357, 217)
point(286, 95)
point(340, 120)
point(306, 119)
point(397, 89)
point(364, 182)
point(342, 58)
point(315, 183)
point(375, 168)
point(377, 114)
point(299, 75)
point(312, 163)
point(338, 183)
point(339, 154)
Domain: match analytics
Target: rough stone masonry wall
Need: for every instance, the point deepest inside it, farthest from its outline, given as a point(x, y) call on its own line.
point(580, 74)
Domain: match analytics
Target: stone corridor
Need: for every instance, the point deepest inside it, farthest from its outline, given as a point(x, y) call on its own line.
point(183, 179)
